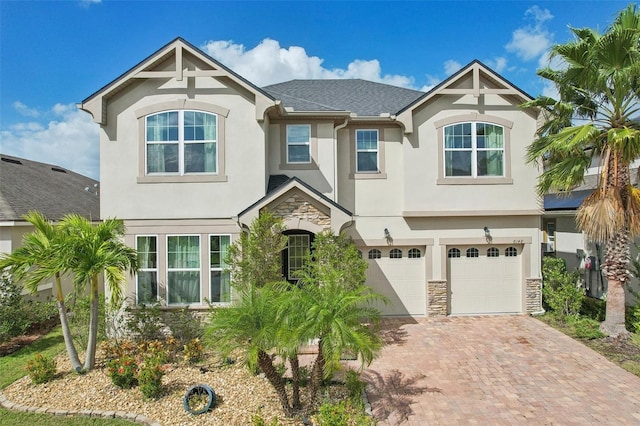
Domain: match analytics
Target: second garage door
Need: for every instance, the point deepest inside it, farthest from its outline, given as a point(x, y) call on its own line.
point(485, 280)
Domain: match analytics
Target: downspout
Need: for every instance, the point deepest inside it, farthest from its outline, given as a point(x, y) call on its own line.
point(335, 157)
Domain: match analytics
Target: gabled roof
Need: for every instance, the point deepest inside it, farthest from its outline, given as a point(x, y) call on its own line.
point(52, 190)
point(360, 97)
point(484, 81)
point(176, 49)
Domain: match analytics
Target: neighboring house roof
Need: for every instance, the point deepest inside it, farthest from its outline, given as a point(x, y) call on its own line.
point(54, 191)
point(565, 200)
point(361, 97)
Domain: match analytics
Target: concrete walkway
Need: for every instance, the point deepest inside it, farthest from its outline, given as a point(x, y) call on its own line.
point(495, 370)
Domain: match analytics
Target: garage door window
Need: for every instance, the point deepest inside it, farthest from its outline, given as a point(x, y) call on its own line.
point(493, 252)
point(454, 252)
point(472, 252)
point(414, 253)
point(511, 252)
point(374, 254)
point(395, 254)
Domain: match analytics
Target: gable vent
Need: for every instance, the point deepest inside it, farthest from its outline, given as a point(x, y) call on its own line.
point(11, 160)
point(58, 169)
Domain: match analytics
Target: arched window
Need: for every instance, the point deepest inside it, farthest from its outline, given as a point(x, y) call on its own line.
point(414, 253)
point(493, 252)
point(453, 252)
point(511, 252)
point(374, 254)
point(473, 252)
point(395, 254)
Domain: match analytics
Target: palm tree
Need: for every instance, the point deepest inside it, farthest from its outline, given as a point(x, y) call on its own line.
point(250, 325)
point(335, 308)
point(599, 87)
point(41, 256)
point(95, 250)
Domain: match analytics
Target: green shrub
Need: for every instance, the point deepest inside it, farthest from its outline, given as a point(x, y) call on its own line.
point(560, 290)
point(585, 328)
point(41, 368)
point(193, 351)
point(633, 318)
point(123, 372)
point(342, 413)
point(355, 386)
point(258, 420)
point(150, 375)
point(144, 322)
point(185, 325)
point(13, 318)
point(593, 308)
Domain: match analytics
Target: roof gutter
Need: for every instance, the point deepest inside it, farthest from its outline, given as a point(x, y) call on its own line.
point(335, 157)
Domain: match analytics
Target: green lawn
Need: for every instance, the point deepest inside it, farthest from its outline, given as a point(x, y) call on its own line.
point(12, 368)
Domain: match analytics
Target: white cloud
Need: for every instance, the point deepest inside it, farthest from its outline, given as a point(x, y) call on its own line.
point(70, 139)
point(269, 63)
point(532, 40)
point(498, 64)
point(451, 66)
point(87, 3)
point(432, 81)
point(25, 110)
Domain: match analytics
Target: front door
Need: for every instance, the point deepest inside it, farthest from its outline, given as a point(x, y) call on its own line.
point(293, 256)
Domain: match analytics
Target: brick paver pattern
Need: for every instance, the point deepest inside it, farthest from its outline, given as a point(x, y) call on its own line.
point(495, 370)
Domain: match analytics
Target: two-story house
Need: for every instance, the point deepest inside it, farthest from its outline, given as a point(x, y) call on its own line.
point(432, 187)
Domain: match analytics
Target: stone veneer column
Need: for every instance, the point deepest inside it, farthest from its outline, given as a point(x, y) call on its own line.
point(437, 298)
point(534, 296)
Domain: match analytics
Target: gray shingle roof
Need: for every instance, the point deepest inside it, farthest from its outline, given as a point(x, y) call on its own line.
point(365, 98)
point(54, 191)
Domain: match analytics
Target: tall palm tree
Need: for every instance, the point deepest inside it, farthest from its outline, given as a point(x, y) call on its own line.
point(598, 83)
point(41, 256)
point(95, 250)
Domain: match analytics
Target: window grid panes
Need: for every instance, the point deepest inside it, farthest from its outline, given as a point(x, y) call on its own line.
point(414, 253)
point(473, 252)
point(474, 150)
point(147, 277)
point(183, 269)
point(374, 254)
point(220, 278)
point(395, 254)
point(453, 252)
point(181, 142)
point(511, 252)
point(299, 143)
point(367, 150)
point(493, 252)
point(298, 248)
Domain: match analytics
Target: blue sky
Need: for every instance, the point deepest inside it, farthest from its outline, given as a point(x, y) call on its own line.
point(54, 54)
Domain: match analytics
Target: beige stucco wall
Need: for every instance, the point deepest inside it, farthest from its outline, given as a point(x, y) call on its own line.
point(120, 151)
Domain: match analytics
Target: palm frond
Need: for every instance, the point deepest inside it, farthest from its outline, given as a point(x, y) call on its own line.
point(601, 215)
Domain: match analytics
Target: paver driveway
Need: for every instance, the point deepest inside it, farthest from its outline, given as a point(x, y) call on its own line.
point(495, 370)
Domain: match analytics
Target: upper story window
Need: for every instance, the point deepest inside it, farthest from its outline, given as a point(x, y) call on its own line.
point(474, 150)
point(181, 142)
point(298, 143)
point(367, 151)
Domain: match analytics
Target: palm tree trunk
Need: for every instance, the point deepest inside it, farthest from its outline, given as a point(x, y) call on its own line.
point(266, 365)
point(295, 382)
point(90, 357)
point(317, 373)
point(616, 270)
point(64, 324)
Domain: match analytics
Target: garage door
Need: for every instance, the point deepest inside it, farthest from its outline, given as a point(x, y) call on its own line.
point(400, 279)
point(485, 279)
